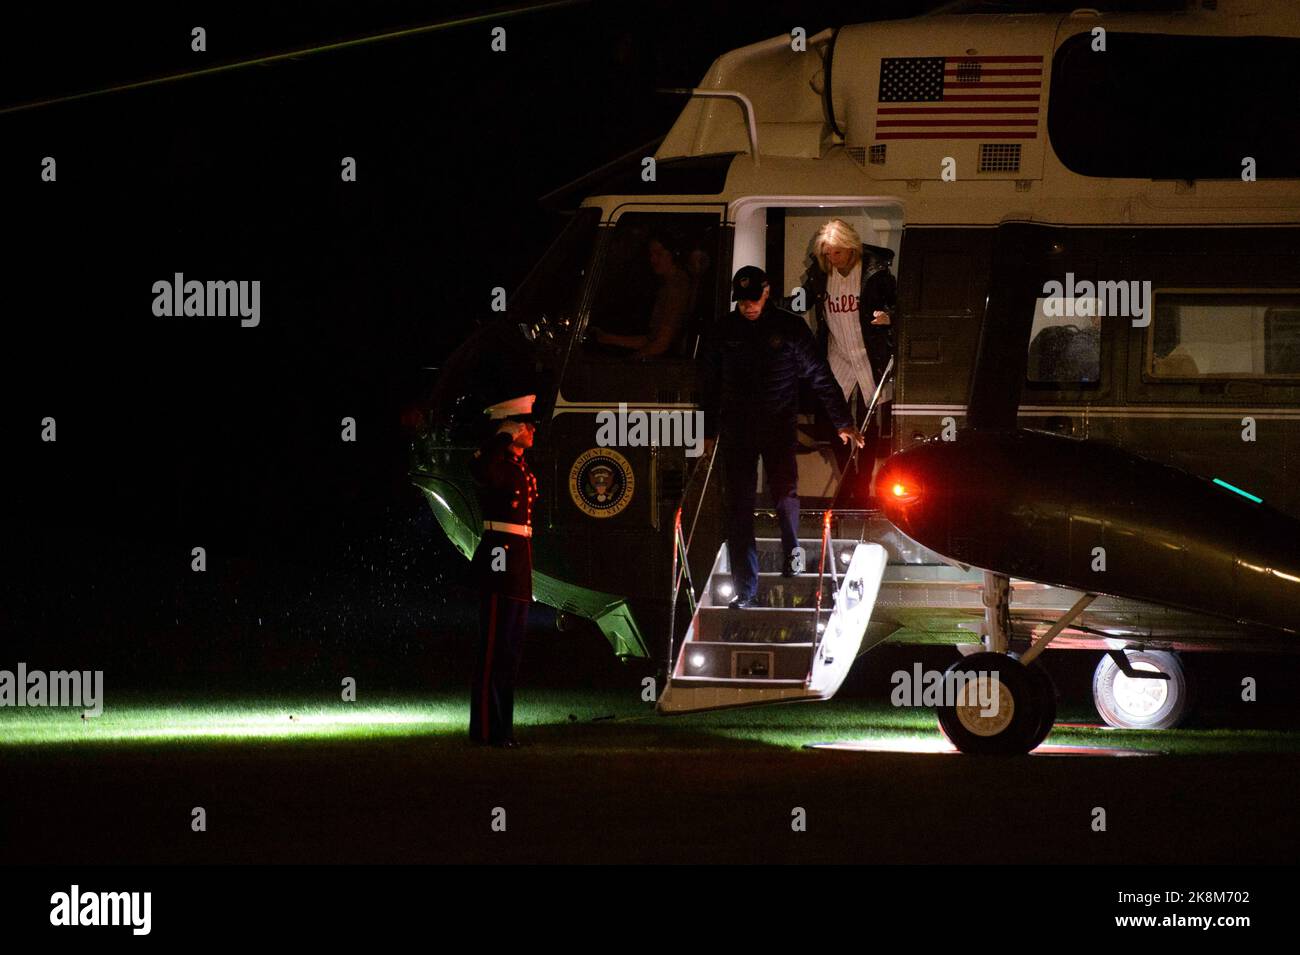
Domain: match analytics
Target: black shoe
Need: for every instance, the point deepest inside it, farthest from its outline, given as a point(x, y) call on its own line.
point(508, 743)
point(741, 603)
point(788, 568)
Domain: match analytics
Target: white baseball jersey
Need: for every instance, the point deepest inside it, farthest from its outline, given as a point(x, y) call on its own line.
point(846, 352)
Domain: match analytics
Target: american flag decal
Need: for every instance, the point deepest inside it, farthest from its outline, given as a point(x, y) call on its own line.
point(959, 97)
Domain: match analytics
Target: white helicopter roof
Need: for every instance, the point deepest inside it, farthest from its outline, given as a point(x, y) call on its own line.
point(948, 116)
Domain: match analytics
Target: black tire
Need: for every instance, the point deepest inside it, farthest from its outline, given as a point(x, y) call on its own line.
point(1141, 704)
point(1046, 703)
point(1012, 729)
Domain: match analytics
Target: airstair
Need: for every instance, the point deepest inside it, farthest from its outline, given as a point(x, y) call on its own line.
point(800, 640)
point(794, 646)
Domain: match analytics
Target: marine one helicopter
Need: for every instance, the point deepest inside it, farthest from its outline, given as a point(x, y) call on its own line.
point(1094, 419)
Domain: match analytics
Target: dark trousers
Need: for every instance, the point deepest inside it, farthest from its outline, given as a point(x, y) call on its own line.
point(502, 622)
point(739, 461)
point(857, 483)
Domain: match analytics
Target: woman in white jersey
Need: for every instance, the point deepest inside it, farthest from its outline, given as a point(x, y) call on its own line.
point(854, 295)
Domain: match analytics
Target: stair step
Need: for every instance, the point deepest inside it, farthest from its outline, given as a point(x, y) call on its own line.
point(767, 625)
point(771, 554)
point(774, 591)
point(746, 646)
point(717, 660)
point(767, 614)
point(714, 681)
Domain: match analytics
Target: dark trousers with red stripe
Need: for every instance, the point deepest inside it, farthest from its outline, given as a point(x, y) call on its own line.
point(502, 622)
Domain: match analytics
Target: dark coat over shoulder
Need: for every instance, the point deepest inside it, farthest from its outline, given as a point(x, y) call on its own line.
point(750, 373)
point(879, 292)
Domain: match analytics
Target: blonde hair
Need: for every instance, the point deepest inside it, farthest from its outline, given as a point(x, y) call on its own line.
point(836, 234)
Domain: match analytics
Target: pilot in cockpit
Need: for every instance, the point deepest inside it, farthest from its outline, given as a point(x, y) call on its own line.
point(673, 300)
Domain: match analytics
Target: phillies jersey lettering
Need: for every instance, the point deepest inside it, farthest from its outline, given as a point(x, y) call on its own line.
point(839, 304)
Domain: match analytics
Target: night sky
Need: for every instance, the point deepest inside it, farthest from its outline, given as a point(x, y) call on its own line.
point(174, 433)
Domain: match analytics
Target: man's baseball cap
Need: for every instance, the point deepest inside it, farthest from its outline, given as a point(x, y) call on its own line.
point(747, 284)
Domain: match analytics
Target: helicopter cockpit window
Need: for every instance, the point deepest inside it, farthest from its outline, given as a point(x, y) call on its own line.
point(1225, 335)
point(656, 286)
point(1065, 345)
point(547, 300)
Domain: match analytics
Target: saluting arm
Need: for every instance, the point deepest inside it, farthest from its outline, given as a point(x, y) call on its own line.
point(489, 466)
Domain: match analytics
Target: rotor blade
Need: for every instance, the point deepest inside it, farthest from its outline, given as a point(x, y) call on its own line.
point(306, 51)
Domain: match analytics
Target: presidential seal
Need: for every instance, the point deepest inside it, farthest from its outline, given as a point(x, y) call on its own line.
point(601, 482)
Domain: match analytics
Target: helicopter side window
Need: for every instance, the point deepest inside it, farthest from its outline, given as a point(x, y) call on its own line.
point(1064, 349)
point(656, 286)
point(1225, 335)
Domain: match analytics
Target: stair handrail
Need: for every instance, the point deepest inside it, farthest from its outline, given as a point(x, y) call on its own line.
point(862, 430)
point(682, 549)
point(827, 516)
point(821, 576)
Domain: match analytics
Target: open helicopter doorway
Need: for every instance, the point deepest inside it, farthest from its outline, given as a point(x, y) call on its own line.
point(809, 625)
point(778, 235)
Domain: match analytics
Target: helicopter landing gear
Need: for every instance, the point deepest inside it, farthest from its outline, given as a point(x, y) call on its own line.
point(1141, 689)
point(1015, 707)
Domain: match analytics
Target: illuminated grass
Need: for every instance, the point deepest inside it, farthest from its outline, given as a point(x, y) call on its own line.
point(559, 720)
point(245, 720)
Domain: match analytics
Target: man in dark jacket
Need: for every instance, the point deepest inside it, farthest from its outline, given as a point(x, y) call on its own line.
point(502, 567)
point(751, 373)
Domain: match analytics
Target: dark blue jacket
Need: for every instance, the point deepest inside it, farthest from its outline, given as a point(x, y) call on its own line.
point(750, 374)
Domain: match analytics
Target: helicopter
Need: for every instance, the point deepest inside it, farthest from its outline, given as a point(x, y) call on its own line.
point(1055, 472)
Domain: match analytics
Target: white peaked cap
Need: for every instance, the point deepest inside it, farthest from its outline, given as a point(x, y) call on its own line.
point(515, 406)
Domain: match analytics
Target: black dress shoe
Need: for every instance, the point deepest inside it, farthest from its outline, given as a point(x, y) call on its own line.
point(788, 569)
point(508, 743)
point(740, 603)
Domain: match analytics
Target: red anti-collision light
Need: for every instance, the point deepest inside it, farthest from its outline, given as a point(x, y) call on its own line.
point(898, 488)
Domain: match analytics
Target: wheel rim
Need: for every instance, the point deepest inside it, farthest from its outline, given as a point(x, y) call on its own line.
point(973, 719)
point(1137, 696)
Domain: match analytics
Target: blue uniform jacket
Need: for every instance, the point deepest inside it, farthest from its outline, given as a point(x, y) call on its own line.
point(750, 373)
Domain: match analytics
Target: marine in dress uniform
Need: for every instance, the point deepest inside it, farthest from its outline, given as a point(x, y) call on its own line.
point(751, 373)
point(503, 568)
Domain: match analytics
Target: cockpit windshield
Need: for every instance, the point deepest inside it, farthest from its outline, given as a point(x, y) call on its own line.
point(548, 297)
point(510, 352)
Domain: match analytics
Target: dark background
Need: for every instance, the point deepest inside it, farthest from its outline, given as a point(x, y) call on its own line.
point(175, 433)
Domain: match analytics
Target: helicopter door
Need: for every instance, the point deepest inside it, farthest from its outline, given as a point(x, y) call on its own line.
point(780, 236)
point(626, 425)
point(630, 382)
